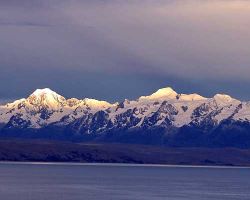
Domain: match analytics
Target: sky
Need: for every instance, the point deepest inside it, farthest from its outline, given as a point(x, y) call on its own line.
point(117, 49)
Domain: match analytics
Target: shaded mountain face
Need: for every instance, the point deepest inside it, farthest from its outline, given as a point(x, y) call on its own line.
point(165, 117)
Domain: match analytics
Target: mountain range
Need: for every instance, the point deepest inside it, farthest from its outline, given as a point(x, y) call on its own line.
point(165, 118)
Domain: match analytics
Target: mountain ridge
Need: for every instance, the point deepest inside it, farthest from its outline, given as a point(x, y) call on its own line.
point(162, 117)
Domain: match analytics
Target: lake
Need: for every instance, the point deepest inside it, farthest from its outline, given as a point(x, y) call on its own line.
point(45, 181)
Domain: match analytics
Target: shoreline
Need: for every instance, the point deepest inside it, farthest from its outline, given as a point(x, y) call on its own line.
point(48, 152)
point(120, 165)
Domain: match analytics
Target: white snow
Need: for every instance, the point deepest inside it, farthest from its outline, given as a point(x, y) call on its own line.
point(191, 97)
point(56, 104)
point(166, 93)
point(144, 107)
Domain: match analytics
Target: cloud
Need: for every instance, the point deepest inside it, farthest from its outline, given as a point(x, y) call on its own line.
point(185, 38)
point(178, 41)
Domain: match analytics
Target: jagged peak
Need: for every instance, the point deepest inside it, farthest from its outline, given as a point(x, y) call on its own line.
point(166, 92)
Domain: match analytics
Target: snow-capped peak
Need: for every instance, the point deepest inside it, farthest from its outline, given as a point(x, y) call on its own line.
point(191, 97)
point(96, 103)
point(42, 91)
point(223, 98)
point(46, 97)
point(167, 93)
point(45, 106)
point(46, 92)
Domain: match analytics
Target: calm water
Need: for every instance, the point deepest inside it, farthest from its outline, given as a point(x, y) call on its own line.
point(98, 182)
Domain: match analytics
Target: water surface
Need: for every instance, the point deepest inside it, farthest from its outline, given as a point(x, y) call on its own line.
point(121, 182)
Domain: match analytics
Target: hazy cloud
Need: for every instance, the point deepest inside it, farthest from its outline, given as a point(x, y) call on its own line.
point(125, 47)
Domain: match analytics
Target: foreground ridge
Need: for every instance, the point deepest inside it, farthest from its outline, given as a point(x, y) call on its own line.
point(167, 116)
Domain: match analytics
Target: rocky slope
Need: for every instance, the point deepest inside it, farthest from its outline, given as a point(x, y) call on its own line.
point(164, 117)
